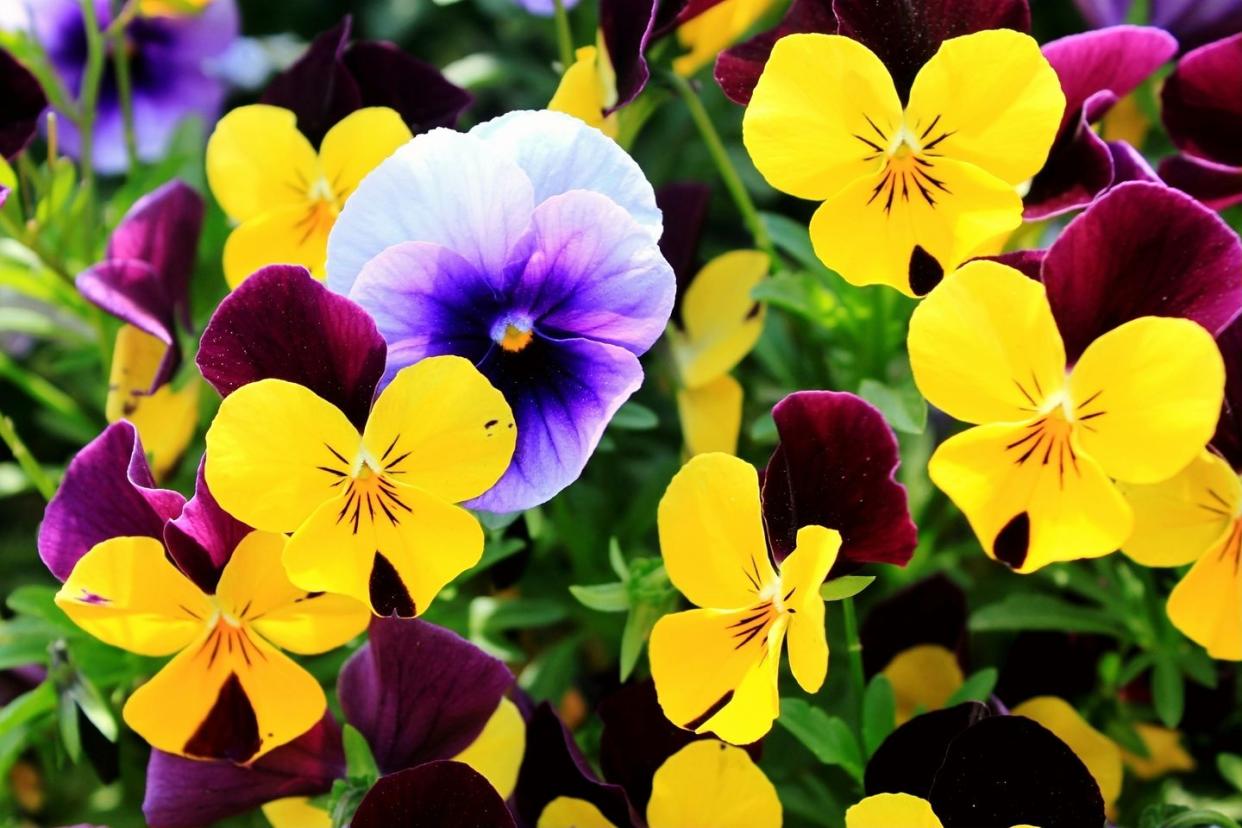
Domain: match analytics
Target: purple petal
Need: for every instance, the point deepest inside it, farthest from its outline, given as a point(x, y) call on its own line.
point(625, 26)
point(202, 539)
point(1111, 265)
point(420, 94)
point(1130, 165)
point(21, 103)
point(107, 492)
point(1101, 13)
point(1216, 185)
point(835, 466)
point(1028, 262)
point(1196, 22)
point(563, 393)
point(684, 205)
point(906, 34)
point(738, 68)
point(1079, 167)
point(419, 692)
point(435, 795)
point(1228, 439)
point(283, 324)
point(1202, 102)
point(185, 793)
point(554, 767)
point(318, 87)
point(135, 292)
point(930, 611)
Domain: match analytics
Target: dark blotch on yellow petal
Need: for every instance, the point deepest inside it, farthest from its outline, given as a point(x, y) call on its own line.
point(698, 722)
point(924, 272)
point(388, 594)
point(230, 730)
point(1013, 541)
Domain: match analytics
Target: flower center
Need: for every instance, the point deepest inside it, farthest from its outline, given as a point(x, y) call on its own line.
point(513, 333)
point(909, 168)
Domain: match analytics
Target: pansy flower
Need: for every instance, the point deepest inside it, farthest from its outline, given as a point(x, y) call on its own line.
point(144, 280)
point(1203, 115)
point(168, 68)
point(527, 246)
point(198, 586)
point(913, 180)
point(1097, 69)
point(24, 103)
point(369, 495)
point(705, 27)
point(418, 693)
point(1192, 22)
point(1073, 381)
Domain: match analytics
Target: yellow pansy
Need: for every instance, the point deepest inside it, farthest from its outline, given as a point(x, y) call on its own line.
point(372, 514)
point(296, 812)
point(588, 90)
point(228, 693)
point(497, 751)
point(706, 34)
point(895, 810)
point(923, 677)
point(715, 668)
point(909, 191)
point(284, 195)
point(1035, 476)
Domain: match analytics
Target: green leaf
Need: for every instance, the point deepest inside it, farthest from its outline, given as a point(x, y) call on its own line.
point(1168, 690)
point(39, 601)
point(638, 624)
point(552, 672)
point(792, 238)
point(879, 715)
point(612, 597)
point(847, 586)
point(617, 560)
point(634, 417)
point(1124, 734)
point(828, 737)
point(1230, 767)
point(92, 704)
point(1032, 611)
point(904, 407)
point(359, 761)
point(976, 688)
point(800, 293)
point(27, 707)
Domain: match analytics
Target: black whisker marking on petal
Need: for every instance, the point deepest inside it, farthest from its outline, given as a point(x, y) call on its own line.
point(397, 460)
point(1092, 416)
point(871, 144)
point(712, 710)
point(1212, 493)
point(336, 454)
point(388, 450)
point(930, 127)
point(878, 131)
point(1088, 400)
point(1025, 393)
point(335, 472)
point(750, 634)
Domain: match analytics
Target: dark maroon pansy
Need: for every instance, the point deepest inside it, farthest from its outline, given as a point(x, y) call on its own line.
point(930, 611)
point(202, 538)
point(1111, 265)
point(280, 323)
point(335, 77)
point(904, 34)
point(185, 793)
point(1216, 185)
point(1096, 70)
point(107, 492)
point(554, 766)
point(21, 103)
point(1024, 672)
point(836, 466)
point(440, 794)
point(145, 278)
point(419, 692)
point(684, 207)
point(1228, 439)
point(625, 26)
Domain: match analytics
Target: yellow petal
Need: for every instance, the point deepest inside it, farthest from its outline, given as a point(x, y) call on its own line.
point(711, 416)
point(497, 752)
point(802, 574)
point(998, 99)
point(716, 671)
point(1165, 753)
point(296, 812)
point(442, 427)
point(1126, 121)
point(706, 34)
point(229, 684)
point(1206, 605)
point(356, 145)
point(393, 550)
point(721, 323)
point(711, 533)
point(984, 346)
point(1147, 396)
point(292, 234)
point(255, 589)
point(890, 810)
point(709, 783)
point(1099, 753)
point(1177, 520)
point(126, 592)
point(582, 92)
point(924, 677)
point(257, 160)
point(897, 225)
point(275, 451)
point(570, 812)
point(1027, 512)
point(820, 110)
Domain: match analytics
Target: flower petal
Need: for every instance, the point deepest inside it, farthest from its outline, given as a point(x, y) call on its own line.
point(1216, 185)
point(282, 324)
point(802, 574)
point(720, 321)
point(1099, 753)
point(1206, 605)
point(387, 76)
point(1080, 166)
point(1165, 753)
point(569, 812)
point(287, 235)
point(498, 750)
point(711, 416)
point(202, 538)
point(684, 205)
point(1228, 437)
point(738, 68)
point(419, 692)
point(924, 677)
point(709, 783)
point(135, 292)
point(24, 103)
point(908, 759)
point(317, 88)
point(886, 810)
point(625, 28)
point(257, 160)
point(928, 611)
point(440, 793)
point(107, 492)
point(357, 144)
point(1201, 105)
point(1179, 519)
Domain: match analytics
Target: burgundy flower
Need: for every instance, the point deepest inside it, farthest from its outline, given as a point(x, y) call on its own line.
point(21, 103)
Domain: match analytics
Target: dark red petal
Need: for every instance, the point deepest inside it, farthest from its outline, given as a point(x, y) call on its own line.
point(738, 68)
point(1216, 185)
point(626, 27)
point(1202, 102)
point(439, 794)
point(1079, 167)
point(134, 291)
point(21, 103)
point(1228, 439)
point(202, 539)
point(318, 87)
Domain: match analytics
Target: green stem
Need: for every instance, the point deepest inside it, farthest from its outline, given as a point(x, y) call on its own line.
point(564, 37)
point(853, 648)
point(728, 173)
point(34, 472)
point(31, 240)
point(88, 99)
point(124, 86)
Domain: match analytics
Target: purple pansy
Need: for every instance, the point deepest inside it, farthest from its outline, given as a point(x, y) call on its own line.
point(1192, 22)
point(144, 278)
point(1202, 110)
point(1096, 70)
point(904, 34)
point(529, 246)
point(21, 103)
point(335, 77)
point(168, 59)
